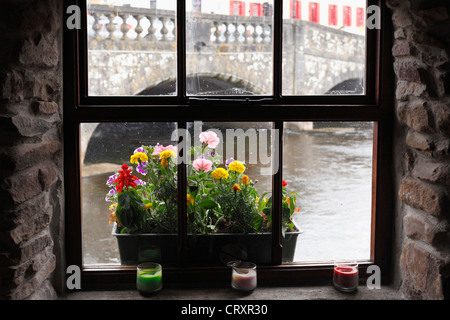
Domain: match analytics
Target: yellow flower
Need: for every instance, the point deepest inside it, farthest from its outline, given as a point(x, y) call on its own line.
point(245, 180)
point(113, 207)
point(190, 199)
point(138, 156)
point(236, 187)
point(148, 205)
point(164, 156)
point(236, 166)
point(167, 154)
point(220, 173)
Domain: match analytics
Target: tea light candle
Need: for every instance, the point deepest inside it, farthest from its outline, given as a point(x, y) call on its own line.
point(243, 276)
point(244, 281)
point(346, 276)
point(149, 278)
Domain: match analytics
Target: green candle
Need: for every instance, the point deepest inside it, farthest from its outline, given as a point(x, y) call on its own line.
point(149, 277)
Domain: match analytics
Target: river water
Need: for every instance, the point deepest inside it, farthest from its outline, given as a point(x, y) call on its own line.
point(329, 167)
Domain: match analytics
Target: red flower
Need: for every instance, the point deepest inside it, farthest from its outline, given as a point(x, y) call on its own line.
point(284, 184)
point(125, 179)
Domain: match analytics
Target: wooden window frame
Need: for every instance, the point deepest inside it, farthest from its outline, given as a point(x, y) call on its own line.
point(376, 105)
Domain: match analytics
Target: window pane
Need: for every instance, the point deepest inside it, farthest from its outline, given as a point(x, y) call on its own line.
point(329, 165)
point(229, 186)
point(229, 48)
point(324, 49)
point(105, 147)
point(131, 47)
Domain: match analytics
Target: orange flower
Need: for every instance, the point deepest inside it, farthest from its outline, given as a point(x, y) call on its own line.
point(112, 217)
point(236, 188)
point(245, 180)
point(288, 201)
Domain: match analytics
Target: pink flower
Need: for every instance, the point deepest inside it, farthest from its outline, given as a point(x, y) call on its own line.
point(210, 138)
point(159, 149)
point(202, 164)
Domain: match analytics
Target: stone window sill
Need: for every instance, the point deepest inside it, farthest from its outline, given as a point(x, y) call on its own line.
point(261, 294)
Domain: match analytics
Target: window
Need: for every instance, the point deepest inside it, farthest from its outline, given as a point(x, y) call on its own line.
point(237, 8)
point(347, 16)
point(256, 9)
point(360, 17)
point(332, 15)
point(309, 116)
point(314, 14)
point(296, 9)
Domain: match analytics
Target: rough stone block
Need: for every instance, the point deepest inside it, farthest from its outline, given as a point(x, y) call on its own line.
point(425, 268)
point(401, 48)
point(30, 182)
point(40, 273)
point(11, 86)
point(41, 51)
point(421, 195)
point(45, 107)
point(22, 186)
point(23, 156)
point(13, 217)
point(29, 126)
point(409, 71)
point(420, 141)
point(432, 171)
point(416, 115)
point(38, 222)
point(442, 117)
point(406, 89)
point(420, 227)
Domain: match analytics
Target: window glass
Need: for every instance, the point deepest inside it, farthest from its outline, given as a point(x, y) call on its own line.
point(324, 53)
point(230, 169)
point(329, 166)
point(229, 48)
point(106, 228)
point(131, 47)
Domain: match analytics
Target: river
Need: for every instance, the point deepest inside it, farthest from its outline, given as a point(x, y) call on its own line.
point(329, 168)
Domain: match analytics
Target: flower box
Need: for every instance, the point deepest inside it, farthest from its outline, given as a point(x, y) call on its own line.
point(214, 248)
point(227, 218)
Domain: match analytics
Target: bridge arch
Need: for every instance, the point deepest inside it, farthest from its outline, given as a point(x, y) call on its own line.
point(205, 84)
point(348, 86)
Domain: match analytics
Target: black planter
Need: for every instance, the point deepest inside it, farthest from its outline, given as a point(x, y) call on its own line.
point(215, 248)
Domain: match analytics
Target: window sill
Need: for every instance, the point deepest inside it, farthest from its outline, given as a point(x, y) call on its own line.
point(326, 292)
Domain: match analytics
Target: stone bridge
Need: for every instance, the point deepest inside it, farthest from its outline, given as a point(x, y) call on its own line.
point(223, 52)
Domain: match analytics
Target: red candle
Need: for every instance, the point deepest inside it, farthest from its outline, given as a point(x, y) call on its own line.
point(346, 276)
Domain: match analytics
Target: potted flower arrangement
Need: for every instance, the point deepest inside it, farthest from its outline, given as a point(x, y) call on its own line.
point(225, 213)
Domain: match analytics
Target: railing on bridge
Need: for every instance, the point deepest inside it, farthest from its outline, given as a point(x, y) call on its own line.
point(141, 24)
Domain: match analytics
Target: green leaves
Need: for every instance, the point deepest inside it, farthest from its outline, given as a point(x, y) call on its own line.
point(130, 210)
point(208, 204)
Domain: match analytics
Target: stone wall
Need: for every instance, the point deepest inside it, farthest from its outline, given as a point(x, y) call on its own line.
point(31, 181)
point(422, 66)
